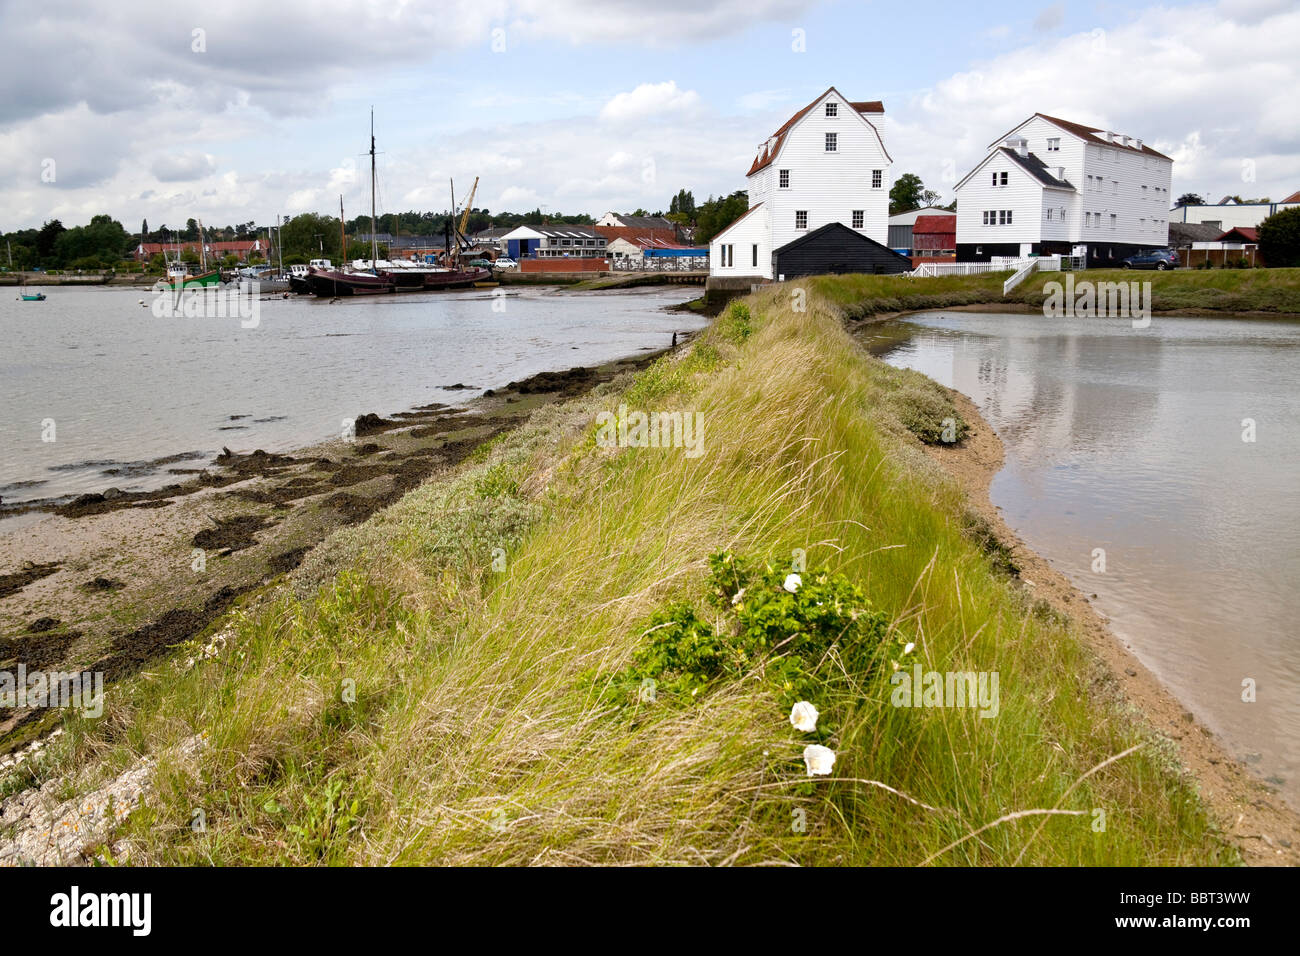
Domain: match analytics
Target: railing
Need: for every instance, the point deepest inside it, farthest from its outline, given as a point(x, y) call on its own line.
point(660, 264)
point(1019, 276)
point(934, 269)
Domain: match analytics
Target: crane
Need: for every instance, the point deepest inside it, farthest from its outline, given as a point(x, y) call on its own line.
point(464, 219)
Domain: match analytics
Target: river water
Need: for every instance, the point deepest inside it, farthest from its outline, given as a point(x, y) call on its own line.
point(1136, 441)
point(117, 387)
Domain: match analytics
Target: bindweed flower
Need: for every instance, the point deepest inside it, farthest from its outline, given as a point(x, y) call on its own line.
point(739, 596)
point(803, 716)
point(911, 646)
point(818, 759)
point(792, 583)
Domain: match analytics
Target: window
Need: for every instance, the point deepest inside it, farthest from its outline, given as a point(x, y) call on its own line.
point(832, 109)
point(1114, 187)
point(999, 179)
point(801, 219)
point(1009, 211)
point(755, 247)
point(986, 217)
point(1054, 145)
point(728, 255)
point(1049, 213)
point(831, 139)
point(858, 218)
point(1004, 179)
point(876, 176)
point(784, 179)
point(1114, 220)
point(1087, 219)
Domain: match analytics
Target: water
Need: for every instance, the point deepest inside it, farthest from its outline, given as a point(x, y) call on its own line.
point(124, 388)
point(1131, 441)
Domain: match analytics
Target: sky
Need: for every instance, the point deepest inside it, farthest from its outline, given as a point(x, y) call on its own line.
point(241, 111)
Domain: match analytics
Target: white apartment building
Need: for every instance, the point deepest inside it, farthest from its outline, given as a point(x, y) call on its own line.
point(1053, 186)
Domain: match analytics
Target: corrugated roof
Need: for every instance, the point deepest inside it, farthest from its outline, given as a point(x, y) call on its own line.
point(935, 224)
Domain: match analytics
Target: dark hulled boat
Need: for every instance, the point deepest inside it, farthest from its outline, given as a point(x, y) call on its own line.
point(335, 282)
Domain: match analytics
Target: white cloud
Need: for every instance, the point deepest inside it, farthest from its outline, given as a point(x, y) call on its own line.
point(182, 167)
point(650, 99)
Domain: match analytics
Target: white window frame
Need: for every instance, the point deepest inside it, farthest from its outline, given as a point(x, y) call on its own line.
point(832, 110)
point(832, 142)
point(877, 177)
point(859, 218)
point(801, 218)
point(783, 179)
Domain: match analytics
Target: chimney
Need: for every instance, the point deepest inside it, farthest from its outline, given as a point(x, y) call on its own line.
point(1137, 144)
point(1019, 144)
point(1059, 172)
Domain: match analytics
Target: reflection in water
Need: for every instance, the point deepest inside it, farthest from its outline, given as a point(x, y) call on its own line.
point(1130, 440)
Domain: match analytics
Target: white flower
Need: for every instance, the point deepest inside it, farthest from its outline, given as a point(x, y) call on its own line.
point(792, 583)
point(818, 760)
point(739, 595)
point(804, 716)
point(909, 648)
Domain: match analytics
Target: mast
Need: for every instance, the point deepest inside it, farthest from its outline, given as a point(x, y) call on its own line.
point(374, 242)
point(203, 249)
point(453, 257)
point(343, 236)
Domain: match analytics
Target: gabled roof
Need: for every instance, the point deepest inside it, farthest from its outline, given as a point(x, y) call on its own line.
point(1294, 197)
point(1088, 133)
point(737, 221)
point(643, 222)
point(777, 139)
point(1181, 232)
point(1030, 163)
point(1036, 168)
point(838, 227)
point(1243, 234)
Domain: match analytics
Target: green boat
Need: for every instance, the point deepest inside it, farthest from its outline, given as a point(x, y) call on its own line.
point(37, 297)
point(178, 278)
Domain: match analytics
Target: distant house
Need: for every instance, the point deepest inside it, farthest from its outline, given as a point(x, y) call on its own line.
point(618, 219)
point(900, 227)
point(1183, 235)
point(1229, 213)
point(1236, 245)
point(935, 236)
point(638, 234)
point(651, 253)
point(240, 248)
point(554, 242)
point(1054, 186)
point(826, 165)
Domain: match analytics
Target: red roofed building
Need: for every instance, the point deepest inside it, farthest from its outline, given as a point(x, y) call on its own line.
point(935, 236)
point(243, 248)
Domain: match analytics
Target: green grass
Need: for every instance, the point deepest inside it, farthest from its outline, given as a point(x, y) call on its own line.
point(1226, 290)
point(434, 689)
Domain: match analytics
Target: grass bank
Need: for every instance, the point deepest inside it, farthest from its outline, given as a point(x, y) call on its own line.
point(1184, 290)
point(564, 652)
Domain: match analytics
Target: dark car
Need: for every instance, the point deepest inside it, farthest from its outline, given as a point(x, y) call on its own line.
point(1154, 259)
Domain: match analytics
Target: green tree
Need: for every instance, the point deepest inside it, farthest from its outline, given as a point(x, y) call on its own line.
point(45, 240)
point(312, 235)
point(1279, 238)
point(1190, 199)
point(716, 215)
point(906, 193)
point(683, 202)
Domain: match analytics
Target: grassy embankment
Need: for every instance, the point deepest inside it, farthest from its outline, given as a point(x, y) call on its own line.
point(1222, 290)
point(493, 722)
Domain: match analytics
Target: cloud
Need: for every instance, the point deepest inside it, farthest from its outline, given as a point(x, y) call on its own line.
point(183, 167)
point(1049, 18)
point(650, 99)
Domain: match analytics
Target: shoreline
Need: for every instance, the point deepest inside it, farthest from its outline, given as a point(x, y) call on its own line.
point(111, 583)
point(1252, 815)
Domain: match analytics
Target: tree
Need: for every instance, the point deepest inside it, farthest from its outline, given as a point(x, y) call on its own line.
point(717, 214)
point(312, 235)
point(906, 193)
point(144, 230)
point(684, 203)
point(1279, 238)
point(45, 240)
point(191, 229)
point(930, 198)
point(1190, 199)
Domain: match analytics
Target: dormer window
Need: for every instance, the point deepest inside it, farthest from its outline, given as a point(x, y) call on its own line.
point(832, 109)
point(832, 140)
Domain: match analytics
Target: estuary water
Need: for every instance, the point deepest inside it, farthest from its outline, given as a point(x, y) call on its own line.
point(96, 390)
point(1175, 450)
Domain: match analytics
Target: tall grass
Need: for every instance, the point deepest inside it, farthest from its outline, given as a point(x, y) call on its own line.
point(428, 704)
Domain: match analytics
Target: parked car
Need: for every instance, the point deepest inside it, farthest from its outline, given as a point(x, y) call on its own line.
point(481, 263)
point(504, 263)
point(1154, 259)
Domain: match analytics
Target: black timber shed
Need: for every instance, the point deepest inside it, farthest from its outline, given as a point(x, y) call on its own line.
point(835, 248)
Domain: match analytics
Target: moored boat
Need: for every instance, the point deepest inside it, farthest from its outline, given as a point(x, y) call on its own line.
point(33, 296)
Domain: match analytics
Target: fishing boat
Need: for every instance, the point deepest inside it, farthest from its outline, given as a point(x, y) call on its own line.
point(33, 296)
point(178, 274)
point(379, 277)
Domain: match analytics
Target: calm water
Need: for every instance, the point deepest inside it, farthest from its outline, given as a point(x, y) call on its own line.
point(1131, 441)
point(125, 388)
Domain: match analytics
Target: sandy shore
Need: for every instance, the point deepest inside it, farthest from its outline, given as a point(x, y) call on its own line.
point(1250, 813)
